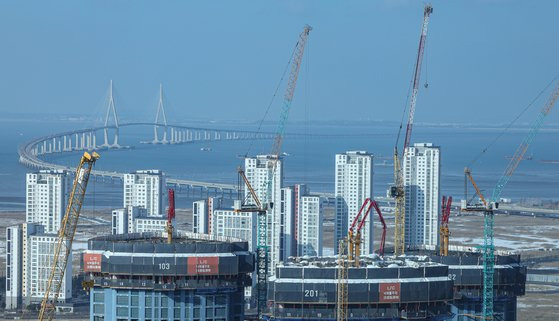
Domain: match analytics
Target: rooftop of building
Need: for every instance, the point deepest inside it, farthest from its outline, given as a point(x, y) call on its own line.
point(149, 171)
point(182, 242)
point(367, 261)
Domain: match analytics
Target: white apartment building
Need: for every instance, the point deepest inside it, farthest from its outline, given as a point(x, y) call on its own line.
point(134, 219)
point(46, 199)
point(303, 221)
point(202, 213)
point(41, 248)
point(309, 237)
point(257, 170)
point(421, 169)
point(354, 183)
point(144, 188)
point(29, 256)
point(239, 225)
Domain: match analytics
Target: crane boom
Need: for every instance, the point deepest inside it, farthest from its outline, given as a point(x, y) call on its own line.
point(397, 191)
point(523, 147)
point(262, 234)
point(63, 246)
point(383, 237)
point(427, 10)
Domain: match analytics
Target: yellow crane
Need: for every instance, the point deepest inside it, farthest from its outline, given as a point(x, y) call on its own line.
point(257, 207)
point(63, 246)
point(341, 304)
point(397, 191)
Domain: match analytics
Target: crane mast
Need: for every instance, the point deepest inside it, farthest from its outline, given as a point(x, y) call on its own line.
point(262, 233)
point(341, 288)
point(63, 246)
point(397, 191)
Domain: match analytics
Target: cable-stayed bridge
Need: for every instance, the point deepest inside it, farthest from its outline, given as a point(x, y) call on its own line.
point(106, 137)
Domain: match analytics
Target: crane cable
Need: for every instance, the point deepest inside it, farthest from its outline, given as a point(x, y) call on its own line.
point(404, 113)
point(272, 100)
point(480, 154)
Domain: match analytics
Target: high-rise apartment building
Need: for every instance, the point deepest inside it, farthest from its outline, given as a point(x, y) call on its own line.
point(144, 188)
point(46, 199)
point(302, 214)
point(257, 170)
point(354, 183)
point(238, 225)
point(421, 168)
point(202, 213)
point(134, 219)
point(29, 257)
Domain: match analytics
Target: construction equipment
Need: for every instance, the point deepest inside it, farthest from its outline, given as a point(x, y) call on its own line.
point(397, 191)
point(170, 215)
point(354, 235)
point(383, 237)
point(487, 247)
point(257, 207)
point(63, 246)
point(444, 231)
point(262, 234)
point(488, 206)
point(341, 308)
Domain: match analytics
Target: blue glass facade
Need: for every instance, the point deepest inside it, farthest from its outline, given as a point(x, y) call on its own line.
point(109, 304)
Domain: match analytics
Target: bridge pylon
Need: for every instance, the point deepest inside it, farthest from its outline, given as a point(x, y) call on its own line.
point(160, 121)
point(111, 111)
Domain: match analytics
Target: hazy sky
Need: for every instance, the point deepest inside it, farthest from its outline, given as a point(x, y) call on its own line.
point(485, 60)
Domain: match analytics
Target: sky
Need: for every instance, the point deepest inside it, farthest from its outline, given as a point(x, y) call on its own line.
point(222, 60)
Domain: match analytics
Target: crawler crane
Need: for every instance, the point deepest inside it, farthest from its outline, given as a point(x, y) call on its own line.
point(63, 246)
point(397, 190)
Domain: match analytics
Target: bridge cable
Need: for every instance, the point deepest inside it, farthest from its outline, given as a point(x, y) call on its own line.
point(482, 152)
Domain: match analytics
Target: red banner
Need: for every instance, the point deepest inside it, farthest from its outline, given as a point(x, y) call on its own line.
point(91, 262)
point(389, 292)
point(203, 265)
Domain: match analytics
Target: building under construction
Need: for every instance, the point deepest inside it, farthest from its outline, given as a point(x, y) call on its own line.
point(421, 285)
point(412, 287)
point(143, 276)
point(465, 268)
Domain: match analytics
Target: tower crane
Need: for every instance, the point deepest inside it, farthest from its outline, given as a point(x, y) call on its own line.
point(63, 246)
point(487, 207)
point(397, 191)
point(444, 232)
point(170, 215)
point(262, 234)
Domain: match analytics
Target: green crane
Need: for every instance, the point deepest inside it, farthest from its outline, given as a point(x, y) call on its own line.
point(488, 248)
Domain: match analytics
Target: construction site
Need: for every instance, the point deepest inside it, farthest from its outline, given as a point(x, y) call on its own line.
point(177, 275)
point(145, 277)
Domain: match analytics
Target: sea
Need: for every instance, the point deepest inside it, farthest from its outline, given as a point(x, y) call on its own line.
point(309, 148)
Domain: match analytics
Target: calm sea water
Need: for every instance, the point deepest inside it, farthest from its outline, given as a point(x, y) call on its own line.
point(310, 160)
